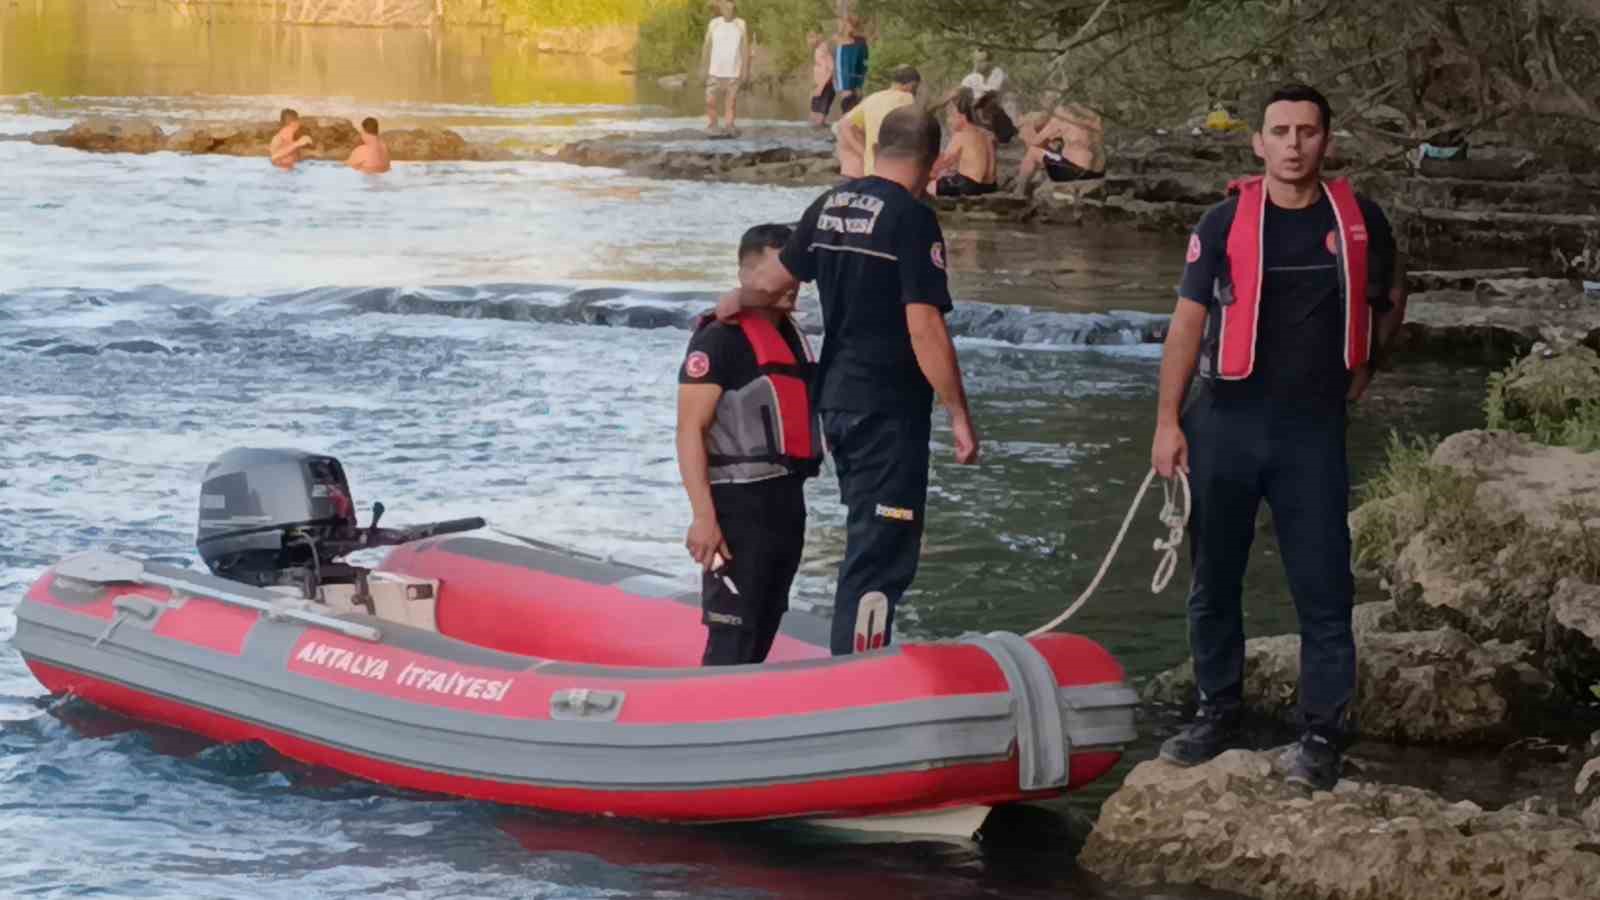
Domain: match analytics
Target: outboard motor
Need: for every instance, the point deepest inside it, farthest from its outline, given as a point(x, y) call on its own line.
point(286, 518)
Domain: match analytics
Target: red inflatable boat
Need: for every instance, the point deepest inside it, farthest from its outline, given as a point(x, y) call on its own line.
point(524, 674)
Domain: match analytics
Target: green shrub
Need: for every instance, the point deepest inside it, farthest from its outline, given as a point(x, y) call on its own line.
point(1410, 495)
point(672, 32)
point(1552, 410)
point(1407, 495)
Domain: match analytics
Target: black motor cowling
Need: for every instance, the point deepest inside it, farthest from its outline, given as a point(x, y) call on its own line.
point(286, 517)
point(265, 512)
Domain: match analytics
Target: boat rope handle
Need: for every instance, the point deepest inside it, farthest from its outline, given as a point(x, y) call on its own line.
point(1173, 516)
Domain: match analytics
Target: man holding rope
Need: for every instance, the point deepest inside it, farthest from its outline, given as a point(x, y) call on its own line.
point(1290, 295)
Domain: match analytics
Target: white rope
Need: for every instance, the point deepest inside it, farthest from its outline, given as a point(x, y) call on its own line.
point(1172, 516)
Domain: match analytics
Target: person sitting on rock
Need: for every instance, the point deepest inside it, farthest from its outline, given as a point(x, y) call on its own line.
point(286, 146)
point(1068, 143)
point(372, 157)
point(967, 167)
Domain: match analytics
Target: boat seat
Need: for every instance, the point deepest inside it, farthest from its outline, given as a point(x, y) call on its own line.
point(395, 598)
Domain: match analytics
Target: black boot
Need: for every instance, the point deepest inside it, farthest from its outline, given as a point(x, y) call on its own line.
point(1212, 731)
point(1313, 763)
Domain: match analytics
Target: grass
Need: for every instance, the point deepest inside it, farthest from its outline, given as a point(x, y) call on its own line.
point(1407, 495)
point(1410, 495)
point(1557, 408)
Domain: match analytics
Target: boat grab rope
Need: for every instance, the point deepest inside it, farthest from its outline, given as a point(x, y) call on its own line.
point(1174, 516)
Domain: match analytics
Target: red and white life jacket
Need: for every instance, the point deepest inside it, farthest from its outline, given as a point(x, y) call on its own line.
point(1240, 298)
point(767, 428)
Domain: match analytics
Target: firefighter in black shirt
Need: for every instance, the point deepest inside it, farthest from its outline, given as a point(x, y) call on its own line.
point(1290, 295)
point(747, 440)
point(877, 255)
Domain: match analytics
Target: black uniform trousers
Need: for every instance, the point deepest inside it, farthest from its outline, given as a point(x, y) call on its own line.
point(764, 523)
point(1239, 454)
point(882, 462)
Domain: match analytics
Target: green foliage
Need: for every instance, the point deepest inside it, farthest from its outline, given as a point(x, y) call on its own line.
point(670, 38)
point(1552, 410)
point(1494, 402)
point(672, 33)
point(1408, 494)
point(579, 13)
point(1401, 71)
point(1411, 495)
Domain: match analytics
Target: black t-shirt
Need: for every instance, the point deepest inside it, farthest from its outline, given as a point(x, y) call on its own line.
point(721, 355)
point(1300, 330)
point(872, 249)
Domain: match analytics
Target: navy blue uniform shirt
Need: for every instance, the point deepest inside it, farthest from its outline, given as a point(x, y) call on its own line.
point(872, 248)
point(1300, 333)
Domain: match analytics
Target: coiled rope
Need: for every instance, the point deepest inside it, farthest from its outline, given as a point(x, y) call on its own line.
point(1175, 518)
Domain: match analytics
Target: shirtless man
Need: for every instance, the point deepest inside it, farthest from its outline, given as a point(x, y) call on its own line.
point(967, 167)
point(372, 157)
point(288, 142)
point(1068, 143)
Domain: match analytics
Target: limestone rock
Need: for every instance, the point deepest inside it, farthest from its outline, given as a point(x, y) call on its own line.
point(1411, 687)
point(1476, 169)
point(332, 139)
point(426, 145)
point(1231, 825)
point(994, 207)
point(106, 134)
point(1588, 790)
point(1495, 594)
point(1572, 637)
point(1373, 618)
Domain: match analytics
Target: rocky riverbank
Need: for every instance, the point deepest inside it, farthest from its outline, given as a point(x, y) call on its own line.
point(1504, 205)
point(1235, 825)
point(1488, 546)
point(332, 139)
point(1503, 208)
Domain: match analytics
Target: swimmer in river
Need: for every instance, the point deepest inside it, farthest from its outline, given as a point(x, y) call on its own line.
point(372, 157)
point(288, 142)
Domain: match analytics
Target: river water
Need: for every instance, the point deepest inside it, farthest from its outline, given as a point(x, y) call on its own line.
point(500, 339)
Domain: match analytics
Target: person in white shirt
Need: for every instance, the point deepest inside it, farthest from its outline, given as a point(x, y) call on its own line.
point(985, 78)
point(726, 59)
point(986, 84)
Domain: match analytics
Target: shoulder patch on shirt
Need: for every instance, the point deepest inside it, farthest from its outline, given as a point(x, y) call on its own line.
point(698, 365)
point(937, 252)
point(1194, 248)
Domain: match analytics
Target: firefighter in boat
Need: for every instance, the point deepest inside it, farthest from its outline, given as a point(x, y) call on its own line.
point(1290, 295)
point(876, 253)
point(747, 441)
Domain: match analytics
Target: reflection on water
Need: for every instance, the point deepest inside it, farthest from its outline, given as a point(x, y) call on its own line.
point(1068, 269)
point(65, 48)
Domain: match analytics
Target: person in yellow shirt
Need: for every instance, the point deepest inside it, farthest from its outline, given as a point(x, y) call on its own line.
point(858, 131)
